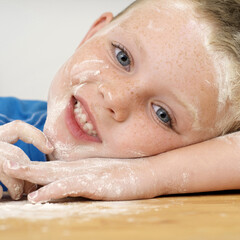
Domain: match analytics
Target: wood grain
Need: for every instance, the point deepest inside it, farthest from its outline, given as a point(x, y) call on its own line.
point(195, 217)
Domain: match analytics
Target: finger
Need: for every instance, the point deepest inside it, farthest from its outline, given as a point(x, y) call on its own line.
point(18, 130)
point(40, 173)
point(14, 186)
point(78, 186)
point(32, 173)
point(9, 151)
point(60, 189)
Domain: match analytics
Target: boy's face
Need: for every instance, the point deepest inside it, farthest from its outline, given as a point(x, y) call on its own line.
point(142, 85)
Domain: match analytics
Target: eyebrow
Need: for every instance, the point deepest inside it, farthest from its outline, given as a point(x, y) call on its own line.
point(139, 45)
point(136, 41)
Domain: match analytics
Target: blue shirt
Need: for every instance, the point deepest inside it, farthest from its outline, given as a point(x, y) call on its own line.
point(29, 111)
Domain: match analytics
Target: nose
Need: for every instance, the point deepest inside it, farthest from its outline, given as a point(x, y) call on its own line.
point(116, 101)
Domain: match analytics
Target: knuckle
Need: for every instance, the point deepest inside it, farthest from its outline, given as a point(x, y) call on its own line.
point(17, 123)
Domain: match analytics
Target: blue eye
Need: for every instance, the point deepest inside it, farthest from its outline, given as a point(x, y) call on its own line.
point(162, 114)
point(122, 56)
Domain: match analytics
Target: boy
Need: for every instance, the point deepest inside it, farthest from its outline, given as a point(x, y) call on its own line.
point(142, 84)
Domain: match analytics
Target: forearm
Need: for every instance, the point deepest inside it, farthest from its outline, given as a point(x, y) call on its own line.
point(208, 166)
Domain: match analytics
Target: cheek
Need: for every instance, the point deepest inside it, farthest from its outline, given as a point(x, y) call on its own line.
point(144, 139)
point(59, 89)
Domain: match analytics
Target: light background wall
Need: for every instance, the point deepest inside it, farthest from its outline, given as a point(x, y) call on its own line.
point(38, 36)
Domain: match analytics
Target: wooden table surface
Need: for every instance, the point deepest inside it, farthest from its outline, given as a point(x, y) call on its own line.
point(201, 216)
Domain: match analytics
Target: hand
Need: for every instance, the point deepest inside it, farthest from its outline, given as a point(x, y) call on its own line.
point(98, 179)
point(9, 134)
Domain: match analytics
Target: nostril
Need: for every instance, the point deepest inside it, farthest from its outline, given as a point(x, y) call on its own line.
point(111, 111)
point(118, 115)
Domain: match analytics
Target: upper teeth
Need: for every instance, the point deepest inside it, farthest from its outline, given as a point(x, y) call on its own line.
point(82, 118)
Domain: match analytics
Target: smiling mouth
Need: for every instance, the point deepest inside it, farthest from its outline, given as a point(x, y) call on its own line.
point(83, 120)
point(80, 121)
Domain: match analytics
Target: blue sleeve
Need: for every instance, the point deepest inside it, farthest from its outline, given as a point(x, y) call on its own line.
point(29, 111)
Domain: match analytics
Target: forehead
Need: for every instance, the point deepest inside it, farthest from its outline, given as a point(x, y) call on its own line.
point(159, 22)
point(165, 29)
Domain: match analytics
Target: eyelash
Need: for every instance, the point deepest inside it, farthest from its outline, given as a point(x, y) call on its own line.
point(123, 49)
point(171, 122)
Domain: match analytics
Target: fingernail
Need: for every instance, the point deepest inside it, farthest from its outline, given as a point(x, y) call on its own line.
point(13, 165)
point(18, 196)
point(32, 196)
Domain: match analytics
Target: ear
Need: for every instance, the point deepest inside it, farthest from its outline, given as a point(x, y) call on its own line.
point(101, 22)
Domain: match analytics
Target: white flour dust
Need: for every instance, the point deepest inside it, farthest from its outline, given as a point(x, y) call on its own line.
point(83, 210)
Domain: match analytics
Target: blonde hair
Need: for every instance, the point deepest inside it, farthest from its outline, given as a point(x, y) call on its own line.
point(223, 17)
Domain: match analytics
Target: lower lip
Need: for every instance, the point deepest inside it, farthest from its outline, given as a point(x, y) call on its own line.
point(74, 128)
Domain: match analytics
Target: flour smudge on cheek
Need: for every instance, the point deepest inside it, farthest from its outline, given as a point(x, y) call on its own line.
point(67, 84)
